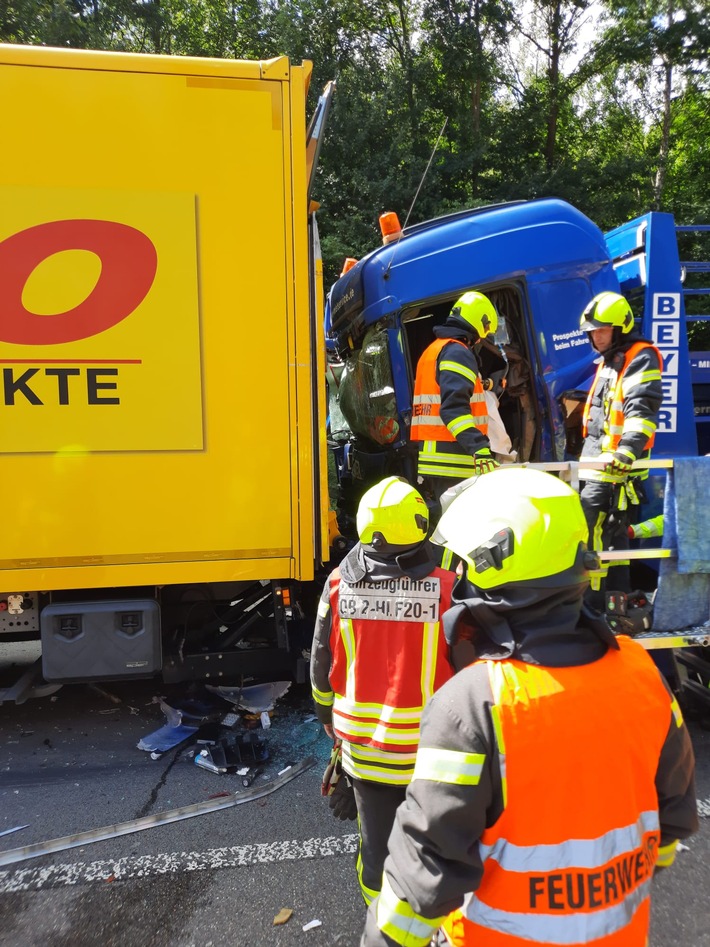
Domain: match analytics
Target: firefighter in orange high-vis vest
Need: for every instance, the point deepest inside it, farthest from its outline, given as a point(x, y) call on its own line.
point(554, 774)
point(619, 424)
point(449, 413)
point(378, 655)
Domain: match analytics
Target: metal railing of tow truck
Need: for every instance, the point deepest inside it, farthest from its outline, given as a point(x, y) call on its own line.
point(568, 470)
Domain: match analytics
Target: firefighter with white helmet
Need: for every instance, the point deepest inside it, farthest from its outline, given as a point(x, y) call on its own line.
point(619, 424)
point(378, 654)
point(554, 774)
point(449, 413)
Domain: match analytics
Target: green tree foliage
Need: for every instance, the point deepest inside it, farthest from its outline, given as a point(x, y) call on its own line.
point(605, 103)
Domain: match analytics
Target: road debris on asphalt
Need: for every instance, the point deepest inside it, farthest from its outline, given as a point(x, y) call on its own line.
point(17, 828)
point(104, 693)
point(283, 916)
point(15, 855)
point(228, 754)
point(184, 719)
point(256, 698)
point(311, 924)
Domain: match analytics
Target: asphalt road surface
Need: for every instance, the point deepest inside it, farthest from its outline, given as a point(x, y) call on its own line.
point(69, 763)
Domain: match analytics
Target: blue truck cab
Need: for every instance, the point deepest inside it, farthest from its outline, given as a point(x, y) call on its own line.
point(540, 262)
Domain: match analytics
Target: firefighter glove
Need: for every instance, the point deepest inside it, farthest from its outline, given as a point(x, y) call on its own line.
point(336, 786)
point(620, 466)
point(333, 770)
point(484, 462)
point(342, 800)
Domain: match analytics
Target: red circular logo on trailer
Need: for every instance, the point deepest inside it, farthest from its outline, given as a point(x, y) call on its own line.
point(129, 262)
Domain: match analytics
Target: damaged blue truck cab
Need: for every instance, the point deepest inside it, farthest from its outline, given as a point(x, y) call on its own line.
point(540, 262)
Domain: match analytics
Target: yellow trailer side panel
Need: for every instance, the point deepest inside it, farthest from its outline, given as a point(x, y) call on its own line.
point(156, 371)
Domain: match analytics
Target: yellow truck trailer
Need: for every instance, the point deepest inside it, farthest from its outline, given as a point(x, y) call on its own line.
point(163, 450)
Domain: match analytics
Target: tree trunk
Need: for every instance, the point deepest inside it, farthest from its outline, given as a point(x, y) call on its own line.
point(476, 126)
point(664, 148)
point(553, 78)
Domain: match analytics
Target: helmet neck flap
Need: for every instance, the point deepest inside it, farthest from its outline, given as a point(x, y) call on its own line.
point(538, 625)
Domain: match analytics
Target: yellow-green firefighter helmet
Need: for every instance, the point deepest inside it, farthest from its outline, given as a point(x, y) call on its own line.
point(607, 309)
point(517, 525)
point(478, 311)
point(392, 514)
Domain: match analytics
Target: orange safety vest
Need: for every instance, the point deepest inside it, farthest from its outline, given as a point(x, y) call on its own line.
point(570, 859)
point(389, 655)
point(614, 405)
point(426, 406)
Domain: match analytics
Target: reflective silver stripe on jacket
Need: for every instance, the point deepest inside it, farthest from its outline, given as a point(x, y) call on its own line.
point(562, 929)
point(575, 853)
point(449, 766)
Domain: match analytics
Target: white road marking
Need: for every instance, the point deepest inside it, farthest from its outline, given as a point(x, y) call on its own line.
point(143, 866)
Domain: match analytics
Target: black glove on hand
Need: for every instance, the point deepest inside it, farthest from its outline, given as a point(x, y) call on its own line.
point(342, 800)
point(336, 786)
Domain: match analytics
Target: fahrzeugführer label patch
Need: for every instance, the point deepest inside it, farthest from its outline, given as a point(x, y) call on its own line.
point(402, 599)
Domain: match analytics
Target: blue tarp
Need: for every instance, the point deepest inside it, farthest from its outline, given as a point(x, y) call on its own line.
point(683, 596)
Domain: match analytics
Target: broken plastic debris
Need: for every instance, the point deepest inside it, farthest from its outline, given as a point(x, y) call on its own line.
point(283, 915)
point(233, 752)
point(183, 722)
point(682, 848)
point(203, 759)
point(265, 719)
point(255, 698)
point(251, 774)
point(311, 924)
point(166, 738)
point(17, 828)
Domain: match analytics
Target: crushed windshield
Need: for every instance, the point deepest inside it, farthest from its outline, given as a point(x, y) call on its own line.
point(367, 398)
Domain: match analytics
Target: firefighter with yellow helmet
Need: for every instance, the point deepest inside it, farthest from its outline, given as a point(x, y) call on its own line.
point(378, 654)
point(619, 424)
point(554, 774)
point(449, 413)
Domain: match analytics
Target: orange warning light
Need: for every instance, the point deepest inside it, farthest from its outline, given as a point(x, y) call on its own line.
point(390, 227)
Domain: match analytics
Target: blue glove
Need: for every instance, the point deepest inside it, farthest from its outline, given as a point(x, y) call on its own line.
point(484, 462)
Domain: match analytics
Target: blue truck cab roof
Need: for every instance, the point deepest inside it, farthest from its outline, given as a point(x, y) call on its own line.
point(448, 255)
point(540, 262)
